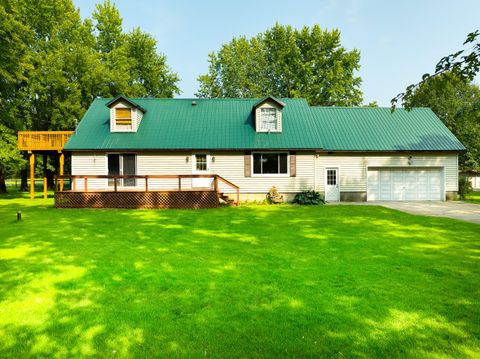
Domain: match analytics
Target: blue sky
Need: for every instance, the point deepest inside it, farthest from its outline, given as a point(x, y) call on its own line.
point(398, 40)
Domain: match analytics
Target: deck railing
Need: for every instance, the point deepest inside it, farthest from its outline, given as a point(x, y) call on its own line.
point(75, 179)
point(42, 140)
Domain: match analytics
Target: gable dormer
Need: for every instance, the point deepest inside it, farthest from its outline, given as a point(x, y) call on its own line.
point(268, 115)
point(125, 115)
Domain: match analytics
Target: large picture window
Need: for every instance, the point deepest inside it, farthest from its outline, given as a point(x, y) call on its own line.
point(268, 119)
point(270, 163)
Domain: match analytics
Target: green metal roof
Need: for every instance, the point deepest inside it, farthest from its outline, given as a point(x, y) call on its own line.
point(170, 124)
point(378, 129)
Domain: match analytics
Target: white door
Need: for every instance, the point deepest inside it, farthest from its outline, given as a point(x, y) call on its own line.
point(332, 190)
point(405, 184)
point(201, 166)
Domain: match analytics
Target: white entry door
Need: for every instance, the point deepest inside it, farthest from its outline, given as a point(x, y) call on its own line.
point(332, 189)
point(405, 184)
point(201, 166)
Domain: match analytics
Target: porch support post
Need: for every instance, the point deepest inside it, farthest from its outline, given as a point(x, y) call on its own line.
point(45, 176)
point(32, 175)
point(62, 162)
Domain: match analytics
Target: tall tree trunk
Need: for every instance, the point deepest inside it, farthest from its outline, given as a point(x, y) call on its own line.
point(50, 179)
point(3, 186)
point(24, 181)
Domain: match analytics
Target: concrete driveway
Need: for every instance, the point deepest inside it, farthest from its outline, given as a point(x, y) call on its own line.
point(453, 209)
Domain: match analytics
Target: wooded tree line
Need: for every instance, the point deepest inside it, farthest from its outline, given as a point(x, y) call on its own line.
point(308, 63)
point(53, 64)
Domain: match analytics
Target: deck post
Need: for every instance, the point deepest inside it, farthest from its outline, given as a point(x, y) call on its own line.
point(86, 184)
point(215, 184)
point(32, 175)
point(62, 162)
point(146, 183)
point(115, 184)
point(179, 183)
point(45, 176)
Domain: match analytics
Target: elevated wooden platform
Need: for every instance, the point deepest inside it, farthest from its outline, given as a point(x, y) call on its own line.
point(45, 143)
point(34, 141)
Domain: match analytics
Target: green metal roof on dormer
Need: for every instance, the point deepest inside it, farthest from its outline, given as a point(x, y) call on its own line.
point(228, 124)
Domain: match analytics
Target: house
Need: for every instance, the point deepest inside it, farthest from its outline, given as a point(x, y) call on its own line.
point(349, 154)
point(473, 177)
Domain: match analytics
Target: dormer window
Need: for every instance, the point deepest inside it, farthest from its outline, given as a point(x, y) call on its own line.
point(268, 119)
point(268, 115)
point(125, 115)
point(123, 118)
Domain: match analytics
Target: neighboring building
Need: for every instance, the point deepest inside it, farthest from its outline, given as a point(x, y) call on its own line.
point(349, 154)
point(474, 178)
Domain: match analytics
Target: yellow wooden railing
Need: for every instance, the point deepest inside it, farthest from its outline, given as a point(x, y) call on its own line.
point(43, 140)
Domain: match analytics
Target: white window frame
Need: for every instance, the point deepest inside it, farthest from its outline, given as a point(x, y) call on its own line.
point(253, 174)
point(262, 109)
point(194, 162)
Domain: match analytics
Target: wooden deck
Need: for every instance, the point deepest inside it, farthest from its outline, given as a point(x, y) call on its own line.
point(125, 197)
point(43, 140)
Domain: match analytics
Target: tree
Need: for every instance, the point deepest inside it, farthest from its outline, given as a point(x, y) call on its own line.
point(53, 63)
point(285, 62)
point(457, 104)
point(465, 64)
point(10, 158)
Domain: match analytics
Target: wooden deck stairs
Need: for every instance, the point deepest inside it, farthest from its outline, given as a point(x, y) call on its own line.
point(225, 199)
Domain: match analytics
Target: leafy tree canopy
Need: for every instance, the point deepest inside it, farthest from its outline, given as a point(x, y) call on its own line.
point(53, 63)
point(465, 64)
point(457, 104)
point(285, 62)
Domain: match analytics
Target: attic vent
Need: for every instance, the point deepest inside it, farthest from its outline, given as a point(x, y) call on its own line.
point(194, 103)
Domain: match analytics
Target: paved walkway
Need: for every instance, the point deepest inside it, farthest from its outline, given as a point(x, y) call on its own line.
point(452, 209)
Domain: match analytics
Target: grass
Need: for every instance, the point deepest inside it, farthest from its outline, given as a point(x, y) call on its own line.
point(473, 197)
point(250, 281)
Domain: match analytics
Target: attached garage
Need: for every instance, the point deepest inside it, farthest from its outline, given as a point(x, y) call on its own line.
point(405, 184)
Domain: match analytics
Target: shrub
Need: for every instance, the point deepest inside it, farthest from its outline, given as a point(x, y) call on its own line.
point(464, 187)
point(309, 197)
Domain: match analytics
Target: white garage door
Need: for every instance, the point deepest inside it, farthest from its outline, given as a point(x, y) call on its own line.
point(404, 184)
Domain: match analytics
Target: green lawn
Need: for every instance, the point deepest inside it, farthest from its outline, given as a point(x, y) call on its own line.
point(251, 281)
point(473, 197)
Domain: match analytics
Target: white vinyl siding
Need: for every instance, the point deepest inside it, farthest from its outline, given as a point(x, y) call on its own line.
point(165, 163)
point(229, 165)
point(90, 164)
point(353, 168)
point(310, 170)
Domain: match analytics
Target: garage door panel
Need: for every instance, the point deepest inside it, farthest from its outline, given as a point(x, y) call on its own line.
point(404, 184)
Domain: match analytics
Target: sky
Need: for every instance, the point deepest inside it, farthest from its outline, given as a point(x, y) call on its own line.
point(398, 40)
